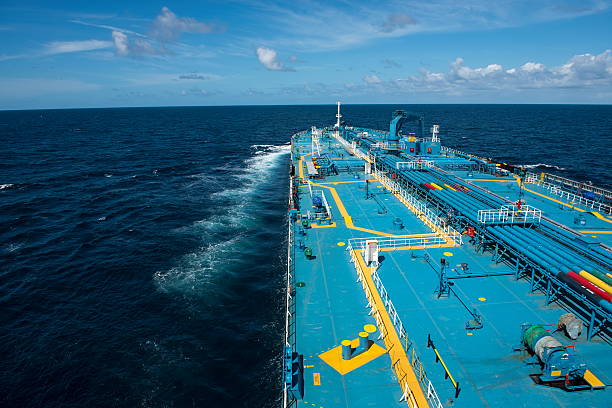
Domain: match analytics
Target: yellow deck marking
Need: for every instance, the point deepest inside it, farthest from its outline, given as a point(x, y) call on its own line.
point(300, 165)
point(407, 378)
point(498, 181)
point(593, 380)
point(601, 217)
point(348, 220)
point(332, 225)
point(341, 243)
point(469, 334)
point(405, 248)
point(482, 299)
point(316, 378)
point(595, 232)
point(448, 254)
point(334, 358)
point(432, 226)
point(345, 182)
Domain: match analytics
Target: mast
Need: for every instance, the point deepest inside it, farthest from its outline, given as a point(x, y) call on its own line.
point(338, 115)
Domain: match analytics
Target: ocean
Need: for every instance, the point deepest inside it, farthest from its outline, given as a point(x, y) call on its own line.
point(142, 250)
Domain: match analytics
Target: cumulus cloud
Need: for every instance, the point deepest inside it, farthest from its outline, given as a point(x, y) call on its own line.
point(268, 58)
point(396, 21)
point(138, 46)
point(372, 79)
point(121, 43)
point(584, 70)
point(62, 47)
point(168, 26)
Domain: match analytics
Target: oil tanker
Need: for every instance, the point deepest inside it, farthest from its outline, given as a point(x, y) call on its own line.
point(419, 275)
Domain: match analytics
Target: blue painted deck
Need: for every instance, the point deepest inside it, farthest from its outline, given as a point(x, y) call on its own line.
point(331, 305)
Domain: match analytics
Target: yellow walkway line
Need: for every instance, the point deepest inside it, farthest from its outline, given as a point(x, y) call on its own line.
point(406, 248)
point(344, 182)
point(348, 220)
point(399, 360)
point(595, 232)
point(420, 216)
point(300, 166)
point(595, 213)
point(332, 225)
point(552, 199)
point(601, 217)
point(497, 181)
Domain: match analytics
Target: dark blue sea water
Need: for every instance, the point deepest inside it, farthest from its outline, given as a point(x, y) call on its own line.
point(142, 250)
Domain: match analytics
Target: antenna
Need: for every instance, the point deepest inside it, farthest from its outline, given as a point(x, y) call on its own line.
point(338, 115)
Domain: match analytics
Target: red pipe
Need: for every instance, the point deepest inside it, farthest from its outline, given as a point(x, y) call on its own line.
point(593, 288)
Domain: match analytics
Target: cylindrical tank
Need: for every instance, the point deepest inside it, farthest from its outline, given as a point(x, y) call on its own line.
point(537, 339)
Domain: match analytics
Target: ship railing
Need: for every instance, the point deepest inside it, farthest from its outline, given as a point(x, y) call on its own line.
point(510, 214)
point(436, 241)
point(422, 211)
point(314, 141)
point(321, 193)
point(569, 197)
point(408, 348)
point(352, 147)
point(414, 164)
point(289, 399)
point(602, 192)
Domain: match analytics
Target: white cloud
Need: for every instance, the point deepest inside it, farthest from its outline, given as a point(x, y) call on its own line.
point(532, 67)
point(62, 47)
point(312, 25)
point(268, 58)
point(108, 27)
point(168, 26)
point(372, 79)
point(582, 71)
point(121, 43)
point(139, 46)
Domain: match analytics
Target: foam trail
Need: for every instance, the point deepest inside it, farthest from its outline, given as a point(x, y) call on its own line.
point(222, 233)
point(541, 166)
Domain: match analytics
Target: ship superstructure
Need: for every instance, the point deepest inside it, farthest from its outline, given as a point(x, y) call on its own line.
point(424, 276)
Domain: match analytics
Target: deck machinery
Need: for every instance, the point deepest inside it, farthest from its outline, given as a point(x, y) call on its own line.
point(440, 259)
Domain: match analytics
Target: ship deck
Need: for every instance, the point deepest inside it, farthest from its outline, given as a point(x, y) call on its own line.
point(337, 294)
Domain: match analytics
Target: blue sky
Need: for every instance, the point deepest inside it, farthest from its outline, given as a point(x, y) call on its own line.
point(149, 53)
